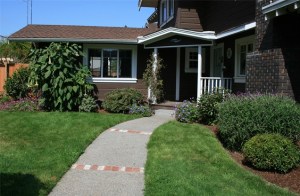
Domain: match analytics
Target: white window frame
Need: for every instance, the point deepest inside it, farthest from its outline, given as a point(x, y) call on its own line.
point(238, 78)
point(187, 68)
point(102, 47)
point(169, 17)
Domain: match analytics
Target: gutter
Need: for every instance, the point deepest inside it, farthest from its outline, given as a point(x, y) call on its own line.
point(75, 40)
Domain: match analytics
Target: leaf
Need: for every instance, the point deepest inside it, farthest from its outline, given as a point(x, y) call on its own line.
point(45, 87)
point(47, 74)
point(68, 96)
point(75, 88)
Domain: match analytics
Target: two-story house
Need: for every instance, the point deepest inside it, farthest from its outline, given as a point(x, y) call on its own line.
point(241, 45)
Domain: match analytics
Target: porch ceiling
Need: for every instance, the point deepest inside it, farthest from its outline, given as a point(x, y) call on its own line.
point(280, 7)
point(174, 37)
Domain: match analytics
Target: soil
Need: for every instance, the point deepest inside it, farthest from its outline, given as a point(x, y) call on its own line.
point(290, 180)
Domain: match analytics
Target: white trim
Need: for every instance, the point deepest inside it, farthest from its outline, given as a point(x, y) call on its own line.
point(245, 40)
point(177, 46)
point(277, 5)
point(199, 75)
point(236, 30)
point(177, 96)
point(133, 48)
point(100, 41)
point(113, 80)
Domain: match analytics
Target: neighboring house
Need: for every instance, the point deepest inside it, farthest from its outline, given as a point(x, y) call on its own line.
point(241, 45)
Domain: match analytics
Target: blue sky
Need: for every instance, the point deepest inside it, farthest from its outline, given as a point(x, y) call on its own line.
point(13, 13)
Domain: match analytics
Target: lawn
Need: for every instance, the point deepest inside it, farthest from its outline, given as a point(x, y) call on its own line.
point(187, 159)
point(36, 149)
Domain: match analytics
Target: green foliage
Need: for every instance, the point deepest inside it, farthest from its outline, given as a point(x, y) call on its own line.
point(187, 112)
point(154, 79)
point(207, 104)
point(60, 76)
point(120, 100)
point(24, 104)
point(242, 117)
point(19, 51)
point(143, 110)
point(4, 98)
point(271, 152)
point(16, 86)
point(88, 104)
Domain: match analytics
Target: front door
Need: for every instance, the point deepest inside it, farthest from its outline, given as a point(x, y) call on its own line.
point(217, 61)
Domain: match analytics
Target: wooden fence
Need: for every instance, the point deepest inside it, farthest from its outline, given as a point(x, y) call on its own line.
point(11, 69)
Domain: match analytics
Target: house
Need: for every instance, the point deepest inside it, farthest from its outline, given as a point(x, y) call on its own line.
point(241, 45)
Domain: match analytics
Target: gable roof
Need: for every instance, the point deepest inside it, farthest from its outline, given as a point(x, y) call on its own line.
point(69, 33)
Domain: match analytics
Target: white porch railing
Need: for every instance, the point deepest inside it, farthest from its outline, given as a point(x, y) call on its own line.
point(209, 84)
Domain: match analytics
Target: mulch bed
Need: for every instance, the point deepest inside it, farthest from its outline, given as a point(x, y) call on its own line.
point(290, 180)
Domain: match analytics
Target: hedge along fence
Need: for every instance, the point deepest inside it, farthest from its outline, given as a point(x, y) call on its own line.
point(242, 117)
point(11, 69)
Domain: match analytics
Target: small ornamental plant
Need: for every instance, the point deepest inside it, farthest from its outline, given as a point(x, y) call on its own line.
point(143, 110)
point(187, 112)
point(24, 104)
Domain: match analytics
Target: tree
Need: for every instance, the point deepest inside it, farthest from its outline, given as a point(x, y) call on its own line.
point(18, 51)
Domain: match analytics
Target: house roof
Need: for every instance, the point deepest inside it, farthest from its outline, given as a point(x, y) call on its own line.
point(95, 34)
point(148, 3)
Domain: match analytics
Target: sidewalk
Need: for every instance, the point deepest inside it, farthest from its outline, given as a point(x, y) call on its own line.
point(114, 163)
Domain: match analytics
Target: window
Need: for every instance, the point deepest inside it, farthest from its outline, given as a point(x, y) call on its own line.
point(166, 11)
point(243, 46)
point(191, 60)
point(111, 63)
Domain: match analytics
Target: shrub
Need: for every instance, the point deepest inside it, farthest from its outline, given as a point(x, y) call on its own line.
point(16, 86)
point(4, 98)
point(242, 117)
point(271, 152)
point(120, 100)
point(60, 76)
point(23, 104)
point(143, 110)
point(187, 112)
point(88, 104)
point(207, 105)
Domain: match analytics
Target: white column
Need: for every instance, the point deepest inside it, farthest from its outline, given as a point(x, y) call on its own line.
point(177, 97)
point(150, 94)
point(199, 81)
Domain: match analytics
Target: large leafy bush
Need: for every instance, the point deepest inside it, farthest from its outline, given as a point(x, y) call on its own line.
point(16, 86)
point(242, 117)
point(60, 76)
point(120, 100)
point(207, 105)
point(271, 152)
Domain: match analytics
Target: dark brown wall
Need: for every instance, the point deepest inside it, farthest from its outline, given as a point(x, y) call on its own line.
point(274, 66)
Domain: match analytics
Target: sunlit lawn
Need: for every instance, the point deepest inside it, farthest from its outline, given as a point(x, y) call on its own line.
point(36, 149)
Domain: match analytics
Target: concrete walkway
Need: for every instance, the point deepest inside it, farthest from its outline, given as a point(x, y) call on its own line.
point(114, 163)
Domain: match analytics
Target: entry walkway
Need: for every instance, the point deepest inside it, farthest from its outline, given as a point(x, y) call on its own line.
point(114, 163)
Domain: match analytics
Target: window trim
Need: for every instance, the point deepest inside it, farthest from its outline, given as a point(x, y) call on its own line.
point(238, 78)
point(162, 23)
point(133, 48)
point(187, 67)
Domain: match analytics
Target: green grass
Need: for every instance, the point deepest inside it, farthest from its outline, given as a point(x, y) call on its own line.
point(187, 159)
point(36, 149)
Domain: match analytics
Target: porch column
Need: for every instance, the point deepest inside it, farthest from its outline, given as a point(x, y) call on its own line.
point(177, 97)
point(199, 81)
point(150, 94)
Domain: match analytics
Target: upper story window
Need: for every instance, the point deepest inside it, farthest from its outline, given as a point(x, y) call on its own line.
point(243, 46)
point(111, 63)
point(166, 11)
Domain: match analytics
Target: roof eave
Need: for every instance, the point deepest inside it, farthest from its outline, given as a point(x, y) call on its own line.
point(278, 8)
point(75, 40)
point(148, 3)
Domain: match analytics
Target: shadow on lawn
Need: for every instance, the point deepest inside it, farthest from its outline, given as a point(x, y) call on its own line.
point(19, 184)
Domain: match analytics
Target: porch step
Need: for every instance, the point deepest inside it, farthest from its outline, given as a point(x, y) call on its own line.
point(167, 105)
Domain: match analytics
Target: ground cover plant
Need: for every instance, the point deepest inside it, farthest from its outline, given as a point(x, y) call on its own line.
point(244, 116)
point(187, 159)
point(37, 148)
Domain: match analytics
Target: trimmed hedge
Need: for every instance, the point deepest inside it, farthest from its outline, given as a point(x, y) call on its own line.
point(244, 116)
point(120, 100)
point(271, 152)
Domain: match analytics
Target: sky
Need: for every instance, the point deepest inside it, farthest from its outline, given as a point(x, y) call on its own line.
point(13, 13)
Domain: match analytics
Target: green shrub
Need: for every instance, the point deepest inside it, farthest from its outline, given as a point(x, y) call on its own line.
point(24, 104)
point(242, 117)
point(143, 110)
point(88, 104)
point(120, 100)
point(16, 86)
point(4, 98)
point(60, 76)
point(187, 112)
point(271, 152)
point(207, 105)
